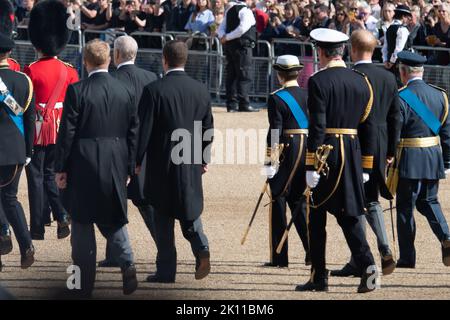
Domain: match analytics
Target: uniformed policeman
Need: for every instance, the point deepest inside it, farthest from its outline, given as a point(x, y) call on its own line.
point(51, 78)
point(396, 38)
point(287, 111)
point(7, 20)
point(423, 157)
point(237, 34)
point(16, 141)
point(339, 105)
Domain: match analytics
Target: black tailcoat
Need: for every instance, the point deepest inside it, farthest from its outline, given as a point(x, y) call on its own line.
point(96, 147)
point(340, 98)
point(15, 147)
point(386, 117)
point(136, 79)
point(174, 102)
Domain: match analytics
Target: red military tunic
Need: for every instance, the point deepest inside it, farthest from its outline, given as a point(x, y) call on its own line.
point(13, 64)
point(45, 74)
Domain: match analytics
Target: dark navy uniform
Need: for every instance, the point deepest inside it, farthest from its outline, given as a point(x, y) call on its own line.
point(421, 161)
point(288, 184)
point(339, 104)
point(16, 143)
point(331, 92)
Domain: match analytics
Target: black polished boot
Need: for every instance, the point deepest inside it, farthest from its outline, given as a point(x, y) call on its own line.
point(367, 284)
point(202, 265)
point(347, 271)
point(316, 283)
point(387, 262)
point(63, 230)
point(6, 245)
point(129, 279)
point(27, 259)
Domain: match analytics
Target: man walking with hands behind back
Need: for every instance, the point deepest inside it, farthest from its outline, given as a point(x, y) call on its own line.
point(95, 157)
point(176, 112)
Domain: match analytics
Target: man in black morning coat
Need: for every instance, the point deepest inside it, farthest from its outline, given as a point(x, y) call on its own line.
point(386, 116)
point(95, 157)
point(125, 51)
point(176, 113)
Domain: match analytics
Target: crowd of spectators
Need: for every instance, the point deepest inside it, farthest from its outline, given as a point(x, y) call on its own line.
point(292, 19)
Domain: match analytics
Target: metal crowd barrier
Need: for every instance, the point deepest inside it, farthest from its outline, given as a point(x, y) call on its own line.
point(208, 64)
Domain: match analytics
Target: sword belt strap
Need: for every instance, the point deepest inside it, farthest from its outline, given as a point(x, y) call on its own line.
point(419, 142)
point(295, 131)
point(343, 131)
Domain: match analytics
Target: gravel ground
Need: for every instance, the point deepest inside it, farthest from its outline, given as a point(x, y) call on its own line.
point(230, 195)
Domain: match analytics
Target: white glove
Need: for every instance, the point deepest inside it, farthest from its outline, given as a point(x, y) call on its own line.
point(312, 179)
point(447, 173)
point(269, 171)
point(27, 161)
point(366, 177)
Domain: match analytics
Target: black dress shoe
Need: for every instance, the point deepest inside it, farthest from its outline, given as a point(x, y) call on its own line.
point(27, 259)
point(387, 263)
point(405, 264)
point(157, 279)
point(316, 283)
point(313, 286)
point(366, 284)
point(232, 109)
point(63, 230)
point(347, 271)
point(446, 252)
point(37, 236)
point(129, 279)
point(248, 109)
point(107, 264)
point(275, 265)
point(6, 245)
point(203, 265)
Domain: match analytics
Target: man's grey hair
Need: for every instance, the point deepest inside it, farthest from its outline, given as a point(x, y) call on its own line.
point(412, 70)
point(127, 47)
point(334, 52)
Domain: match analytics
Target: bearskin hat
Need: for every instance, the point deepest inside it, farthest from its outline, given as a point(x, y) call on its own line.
point(6, 17)
point(48, 27)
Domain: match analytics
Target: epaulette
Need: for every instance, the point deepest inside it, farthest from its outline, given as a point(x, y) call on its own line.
point(277, 90)
point(14, 60)
point(436, 87)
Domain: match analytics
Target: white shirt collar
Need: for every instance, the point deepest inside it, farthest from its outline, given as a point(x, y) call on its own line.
point(413, 79)
point(174, 69)
point(363, 62)
point(97, 71)
point(125, 63)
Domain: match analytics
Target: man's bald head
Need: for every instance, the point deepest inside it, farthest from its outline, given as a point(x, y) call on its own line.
point(363, 42)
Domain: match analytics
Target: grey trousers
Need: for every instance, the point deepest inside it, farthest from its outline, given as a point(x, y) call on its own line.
point(166, 259)
point(375, 218)
point(84, 250)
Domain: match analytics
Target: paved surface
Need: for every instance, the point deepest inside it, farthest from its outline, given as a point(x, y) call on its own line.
point(230, 195)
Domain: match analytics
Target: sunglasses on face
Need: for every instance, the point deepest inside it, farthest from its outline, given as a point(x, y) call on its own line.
point(340, 14)
point(440, 11)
